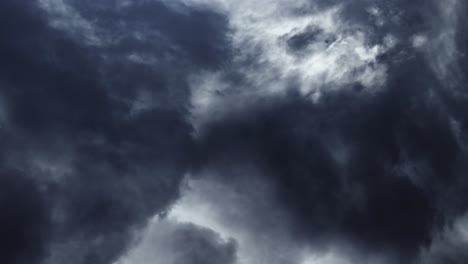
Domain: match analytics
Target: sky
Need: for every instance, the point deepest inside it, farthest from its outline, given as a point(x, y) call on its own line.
point(233, 132)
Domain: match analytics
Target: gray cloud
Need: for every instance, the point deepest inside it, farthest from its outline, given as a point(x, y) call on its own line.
point(97, 161)
point(368, 172)
point(448, 246)
point(170, 242)
point(211, 131)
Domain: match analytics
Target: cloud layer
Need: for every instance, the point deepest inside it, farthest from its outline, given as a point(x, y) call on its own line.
point(233, 132)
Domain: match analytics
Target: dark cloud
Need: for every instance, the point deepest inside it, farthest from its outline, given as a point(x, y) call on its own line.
point(372, 171)
point(95, 162)
point(300, 41)
point(96, 133)
point(24, 221)
point(199, 246)
point(448, 246)
point(191, 35)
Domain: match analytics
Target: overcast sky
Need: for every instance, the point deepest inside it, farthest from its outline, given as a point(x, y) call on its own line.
point(233, 132)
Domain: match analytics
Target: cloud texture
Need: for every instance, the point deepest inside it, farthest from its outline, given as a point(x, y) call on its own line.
point(233, 132)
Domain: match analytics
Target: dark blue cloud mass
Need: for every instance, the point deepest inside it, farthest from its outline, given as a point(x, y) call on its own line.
point(222, 132)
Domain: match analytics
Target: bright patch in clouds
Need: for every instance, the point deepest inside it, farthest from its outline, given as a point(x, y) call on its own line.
point(313, 51)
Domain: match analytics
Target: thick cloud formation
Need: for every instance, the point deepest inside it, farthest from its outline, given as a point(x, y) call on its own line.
point(212, 131)
point(340, 171)
point(169, 242)
point(382, 172)
point(93, 155)
point(24, 219)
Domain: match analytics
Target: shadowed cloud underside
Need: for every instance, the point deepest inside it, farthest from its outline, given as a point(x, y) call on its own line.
point(233, 132)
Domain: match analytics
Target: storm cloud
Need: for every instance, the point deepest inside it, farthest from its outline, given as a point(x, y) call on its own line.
point(88, 156)
point(233, 132)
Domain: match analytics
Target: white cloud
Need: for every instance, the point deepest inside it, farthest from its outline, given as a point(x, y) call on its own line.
point(244, 213)
point(419, 40)
point(166, 241)
point(261, 29)
point(327, 258)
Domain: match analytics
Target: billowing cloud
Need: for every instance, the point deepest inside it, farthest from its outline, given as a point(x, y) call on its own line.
point(233, 132)
point(170, 242)
point(449, 244)
point(92, 160)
